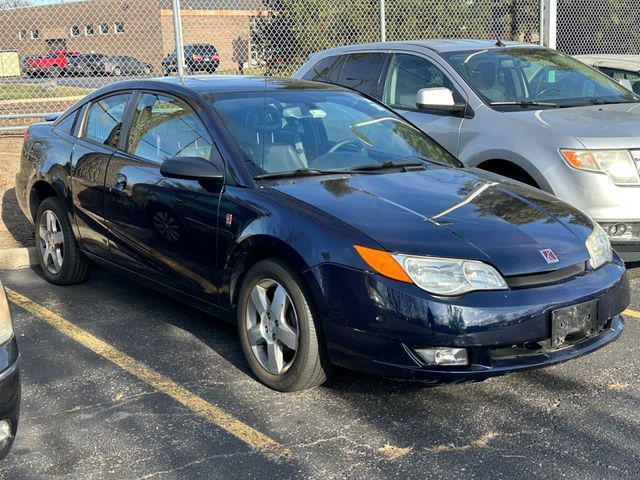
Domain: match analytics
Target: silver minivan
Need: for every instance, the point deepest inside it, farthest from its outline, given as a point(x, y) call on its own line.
point(516, 109)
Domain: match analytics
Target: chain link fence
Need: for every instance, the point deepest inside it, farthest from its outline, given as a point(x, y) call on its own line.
point(53, 52)
point(598, 26)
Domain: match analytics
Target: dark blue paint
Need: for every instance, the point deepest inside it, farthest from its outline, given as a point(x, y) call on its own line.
point(369, 322)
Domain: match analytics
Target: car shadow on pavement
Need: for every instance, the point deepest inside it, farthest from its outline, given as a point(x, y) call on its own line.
point(15, 230)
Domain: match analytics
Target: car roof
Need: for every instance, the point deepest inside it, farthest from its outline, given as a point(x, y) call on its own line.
point(212, 84)
point(437, 45)
point(625, 62)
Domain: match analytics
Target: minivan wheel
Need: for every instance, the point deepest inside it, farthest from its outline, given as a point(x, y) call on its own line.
point(278, 331)
point(59, 257)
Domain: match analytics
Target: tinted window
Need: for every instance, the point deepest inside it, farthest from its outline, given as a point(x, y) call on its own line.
point(326, 70)
point(361, 71)
point(66, 124)
point(104, 121)
point(164, 127)
point(408, 74)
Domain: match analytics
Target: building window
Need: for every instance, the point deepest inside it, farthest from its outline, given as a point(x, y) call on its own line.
point(118, 27)
point(35, 34)
point(104, 29)
point(74, 31)
point(88, 30)
point(23, 34)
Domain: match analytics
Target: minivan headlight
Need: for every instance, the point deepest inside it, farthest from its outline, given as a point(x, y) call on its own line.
point(599, 247)
point(439, 276)
point(6, 327)
point(618, 164)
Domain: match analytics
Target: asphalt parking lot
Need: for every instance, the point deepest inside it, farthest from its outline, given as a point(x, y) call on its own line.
point(120, 382)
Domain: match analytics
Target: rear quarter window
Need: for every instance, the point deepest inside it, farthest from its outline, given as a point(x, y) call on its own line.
point(326, 70)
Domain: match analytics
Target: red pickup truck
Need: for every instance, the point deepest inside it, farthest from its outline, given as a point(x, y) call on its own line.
point(52, 64)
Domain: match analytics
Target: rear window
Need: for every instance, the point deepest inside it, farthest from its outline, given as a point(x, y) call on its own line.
point(326, 70)
point(361, 71)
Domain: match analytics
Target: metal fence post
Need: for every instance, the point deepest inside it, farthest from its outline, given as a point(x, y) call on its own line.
point(383, 26)
point(549, 22)
point(177, 28)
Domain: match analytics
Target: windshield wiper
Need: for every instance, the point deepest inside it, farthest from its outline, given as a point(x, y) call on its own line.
point(525, 104)
point(300, 172)
point(602, 101)
point(384, 166)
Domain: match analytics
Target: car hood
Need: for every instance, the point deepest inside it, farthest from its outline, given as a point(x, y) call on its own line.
point(595, 126)
point(458, 213)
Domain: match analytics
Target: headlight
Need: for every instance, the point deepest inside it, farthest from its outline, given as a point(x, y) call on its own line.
point(6, 328)
point(599, 247)
point(440, 276)
point(618, 164)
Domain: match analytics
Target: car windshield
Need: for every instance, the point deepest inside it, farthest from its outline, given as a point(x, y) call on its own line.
point(317, 131)
point(506, 78)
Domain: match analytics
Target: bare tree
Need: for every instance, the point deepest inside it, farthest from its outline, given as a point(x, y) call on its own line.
point(9, 4)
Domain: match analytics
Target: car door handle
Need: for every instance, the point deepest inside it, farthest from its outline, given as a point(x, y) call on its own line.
point(120, 182)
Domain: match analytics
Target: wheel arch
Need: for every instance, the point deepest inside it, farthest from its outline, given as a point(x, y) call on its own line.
point(254, 249)
point(515, 170)
point(40, 190)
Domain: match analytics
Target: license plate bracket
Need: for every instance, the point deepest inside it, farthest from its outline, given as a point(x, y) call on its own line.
point(575, 321)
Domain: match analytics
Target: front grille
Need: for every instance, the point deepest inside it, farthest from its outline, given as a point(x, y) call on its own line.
point(546, 278)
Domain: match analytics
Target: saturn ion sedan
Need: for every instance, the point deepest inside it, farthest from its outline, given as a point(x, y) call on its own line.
point(329, 229)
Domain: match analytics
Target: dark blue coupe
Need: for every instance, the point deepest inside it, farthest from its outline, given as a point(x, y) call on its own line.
point(332, 231)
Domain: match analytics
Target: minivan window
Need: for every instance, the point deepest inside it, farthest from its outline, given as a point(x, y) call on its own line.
point(519, 75)
point(408, 74)
point(104, 120)
point(326, 70)
point(361, 71)
point(163, 127)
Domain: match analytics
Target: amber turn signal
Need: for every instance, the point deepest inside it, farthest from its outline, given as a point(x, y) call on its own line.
point(383, 263)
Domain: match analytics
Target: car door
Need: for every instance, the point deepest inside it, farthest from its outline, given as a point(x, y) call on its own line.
point(98, 137)
point(164, 228)
point(406, 75)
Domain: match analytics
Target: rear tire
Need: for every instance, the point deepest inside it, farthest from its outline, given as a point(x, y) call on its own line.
point(59, 256)
point(300, 368)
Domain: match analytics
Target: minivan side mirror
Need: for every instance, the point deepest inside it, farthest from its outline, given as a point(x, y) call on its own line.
point(191, 168)
point(438, 98)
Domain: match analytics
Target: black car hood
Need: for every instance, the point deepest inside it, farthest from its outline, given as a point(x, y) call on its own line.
point(458, 213)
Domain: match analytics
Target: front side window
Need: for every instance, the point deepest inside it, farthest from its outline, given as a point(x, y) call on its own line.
point(164, 127)
point(320, 129)
point(326, 70)
point(104, 120)
point(361, 72)
point(407, 75)
point(508, 76)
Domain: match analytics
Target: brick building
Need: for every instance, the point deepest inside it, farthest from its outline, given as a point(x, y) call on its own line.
point(139, 28)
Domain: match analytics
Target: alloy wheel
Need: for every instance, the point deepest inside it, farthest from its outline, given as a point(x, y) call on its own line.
point(272, 326)
point(51, 241)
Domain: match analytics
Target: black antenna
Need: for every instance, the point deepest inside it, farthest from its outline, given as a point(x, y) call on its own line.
point(499, 42)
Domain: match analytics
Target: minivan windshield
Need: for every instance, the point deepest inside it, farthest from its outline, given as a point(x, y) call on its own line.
point(317, 131)
point(521, 77)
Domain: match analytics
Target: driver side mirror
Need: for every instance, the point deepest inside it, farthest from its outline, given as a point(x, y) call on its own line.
point(191, 168)
point(625, 83)
point(438, 98)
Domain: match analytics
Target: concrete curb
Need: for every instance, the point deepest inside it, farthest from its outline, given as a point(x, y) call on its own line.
point(15, 258)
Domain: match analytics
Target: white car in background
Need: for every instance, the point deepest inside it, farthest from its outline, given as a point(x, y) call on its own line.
point(623, 68)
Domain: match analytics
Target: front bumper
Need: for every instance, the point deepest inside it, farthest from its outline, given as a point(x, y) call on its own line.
point(372, 324)
point(10, 387)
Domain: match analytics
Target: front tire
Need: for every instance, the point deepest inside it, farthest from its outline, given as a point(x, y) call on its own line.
point(278, 331)
point(59, 256)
